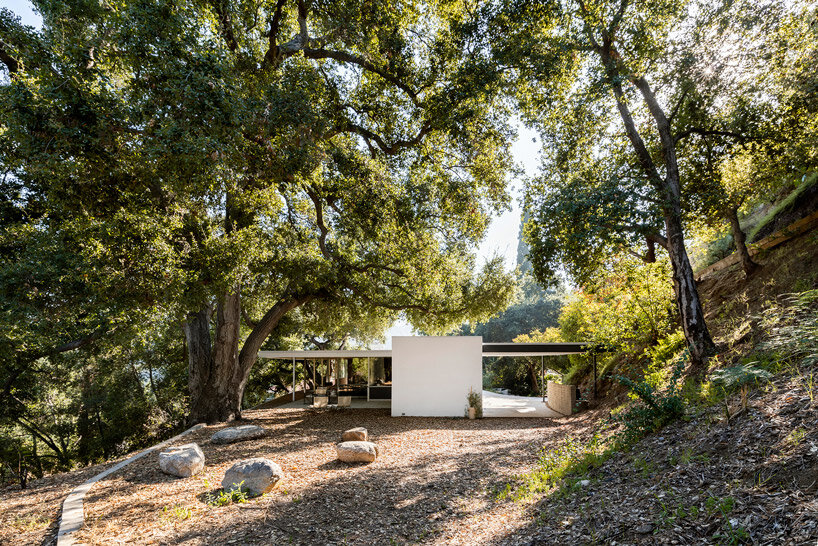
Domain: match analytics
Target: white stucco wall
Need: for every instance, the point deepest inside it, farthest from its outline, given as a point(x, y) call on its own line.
point(431, 376)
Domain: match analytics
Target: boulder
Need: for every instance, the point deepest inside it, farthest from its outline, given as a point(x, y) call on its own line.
point(237, 434)
point(182, 461)
point(254, 476)
point(357, 434)
point(357, 452)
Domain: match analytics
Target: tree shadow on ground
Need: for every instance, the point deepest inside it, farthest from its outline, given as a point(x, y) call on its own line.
point(410, 502)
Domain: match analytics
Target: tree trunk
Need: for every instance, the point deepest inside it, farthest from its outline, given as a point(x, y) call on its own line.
point(217, 376)
point(684, 284)
point(696, 333)
point(215, 395)
point(740, 239)
point(534, 377)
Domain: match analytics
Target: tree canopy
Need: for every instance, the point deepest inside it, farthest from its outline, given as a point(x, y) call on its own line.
point(234, 161)
point(617, 89)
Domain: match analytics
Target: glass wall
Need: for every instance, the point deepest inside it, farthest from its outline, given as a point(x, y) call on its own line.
point(380, 379)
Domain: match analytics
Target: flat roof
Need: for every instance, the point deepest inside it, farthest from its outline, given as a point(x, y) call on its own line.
point(534, 349)
point(300, 355)
point(489, 349)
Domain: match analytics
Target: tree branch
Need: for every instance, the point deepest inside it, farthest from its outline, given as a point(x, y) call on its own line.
point(247, 320)
point(11, 63)
point(389, 149)
point(609, 61)
point(319, 221)
point(225, 24)
point(678, 106)
point(713, 132)
point(275, 24)
point(26, 358)
point(344, 57)
point(617, 18)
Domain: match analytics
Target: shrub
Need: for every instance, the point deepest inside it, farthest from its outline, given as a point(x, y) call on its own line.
point(475, 400)
point(793, 327)
point(654, 410)
point(740, 376)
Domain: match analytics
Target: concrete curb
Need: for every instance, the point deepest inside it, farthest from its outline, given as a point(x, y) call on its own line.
point(72, 516)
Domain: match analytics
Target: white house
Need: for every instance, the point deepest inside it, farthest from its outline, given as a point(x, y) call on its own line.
point(422, 376)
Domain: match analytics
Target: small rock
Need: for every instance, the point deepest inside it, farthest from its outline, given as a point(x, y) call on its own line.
point(237, 434)
point(358, 434)
point(585, 483)
point(644, 529)
point(254, 476)
point(182, 461)
point(357, 452)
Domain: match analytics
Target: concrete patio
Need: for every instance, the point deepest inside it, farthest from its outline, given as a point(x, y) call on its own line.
point(494, 405)
point(507, 405)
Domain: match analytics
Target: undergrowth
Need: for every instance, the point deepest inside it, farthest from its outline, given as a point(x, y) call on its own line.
point(227, 496)
point(791, 346)
point(561, 469)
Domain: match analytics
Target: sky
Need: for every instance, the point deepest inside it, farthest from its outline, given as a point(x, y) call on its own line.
point(502, 233)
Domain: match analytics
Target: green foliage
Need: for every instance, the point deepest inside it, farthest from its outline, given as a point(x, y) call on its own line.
point(666, 349)
point(157, 165)
point(792, 326)
point(630, 306)
point(475, 400)
point(715, 250)
point(177, 513)
point(234, 494)
point(558, 468)
point(796, 436)
point(808, 183)
point(655, 409)
point(535, 308)
point(737, 376)
point(579, 368)
point(741, 376)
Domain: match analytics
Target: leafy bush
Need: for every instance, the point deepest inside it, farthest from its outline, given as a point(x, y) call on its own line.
point(793, 327)
point(655, 408)
point(475, 400)
point(740, 376)
point(627, 309)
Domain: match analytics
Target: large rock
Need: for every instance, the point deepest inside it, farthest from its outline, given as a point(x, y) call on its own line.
point(182, 461)
point(357, 434)
point(357, 452)
point(238, 434)
point(254, 476)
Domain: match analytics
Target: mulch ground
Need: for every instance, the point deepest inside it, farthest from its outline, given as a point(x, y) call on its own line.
point(750, 480)
point(31, 516)
point(433, 482)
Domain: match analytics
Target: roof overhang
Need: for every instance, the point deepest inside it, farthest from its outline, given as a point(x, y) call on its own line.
point(535, 349)
point(303, 355)
point(489, 349)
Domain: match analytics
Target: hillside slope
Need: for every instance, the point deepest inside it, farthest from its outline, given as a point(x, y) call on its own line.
point(752, 478)
point(710, 479)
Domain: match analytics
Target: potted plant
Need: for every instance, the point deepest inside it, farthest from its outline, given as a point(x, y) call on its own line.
point(474, 404)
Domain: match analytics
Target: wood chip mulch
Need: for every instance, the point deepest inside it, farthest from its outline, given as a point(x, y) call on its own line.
point(752, 480)
point(433, 482)
point(31, 516)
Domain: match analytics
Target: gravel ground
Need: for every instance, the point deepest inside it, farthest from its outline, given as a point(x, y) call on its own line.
point(30, 516)
point(432, 483)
